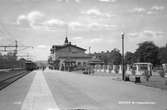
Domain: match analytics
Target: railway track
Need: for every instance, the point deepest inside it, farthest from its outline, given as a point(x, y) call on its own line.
point(6, 82)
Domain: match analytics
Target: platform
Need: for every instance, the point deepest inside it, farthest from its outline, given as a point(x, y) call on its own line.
point(57, 90)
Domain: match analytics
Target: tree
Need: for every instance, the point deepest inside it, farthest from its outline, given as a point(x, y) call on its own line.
point(147, 52)
point(115, 57)
point(163, 55)
point(130, 58)
point(103, 56)
point(10, 61)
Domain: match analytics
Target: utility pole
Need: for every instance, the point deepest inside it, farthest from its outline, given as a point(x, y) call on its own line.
point(13, 46)
point(123, 68)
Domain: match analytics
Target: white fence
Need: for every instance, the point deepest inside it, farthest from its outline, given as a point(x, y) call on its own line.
point(108, 68)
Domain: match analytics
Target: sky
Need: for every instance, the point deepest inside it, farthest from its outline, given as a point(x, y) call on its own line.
point(88, 23)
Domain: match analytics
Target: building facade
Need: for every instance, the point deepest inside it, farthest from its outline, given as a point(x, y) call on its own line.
point(66, 56)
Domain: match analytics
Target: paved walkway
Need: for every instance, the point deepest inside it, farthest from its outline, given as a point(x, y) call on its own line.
point(39, 96)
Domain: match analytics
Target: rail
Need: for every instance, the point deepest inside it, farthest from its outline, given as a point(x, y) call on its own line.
point(7, 81)
point(9, 69)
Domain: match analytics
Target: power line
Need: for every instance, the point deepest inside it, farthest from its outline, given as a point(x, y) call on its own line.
point(5, 47)
point(16, 46)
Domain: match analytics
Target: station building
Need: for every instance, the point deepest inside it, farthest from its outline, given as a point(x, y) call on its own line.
point(68, 55)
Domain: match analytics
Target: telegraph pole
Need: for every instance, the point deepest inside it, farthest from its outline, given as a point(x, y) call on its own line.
point(123, 63)
point(16, 46)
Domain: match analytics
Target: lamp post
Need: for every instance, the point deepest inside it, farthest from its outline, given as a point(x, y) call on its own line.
point(123, 68)
point(89, 49)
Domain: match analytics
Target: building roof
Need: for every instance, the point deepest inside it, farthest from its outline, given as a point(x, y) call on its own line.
point(58, 47)
point(66, 44)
